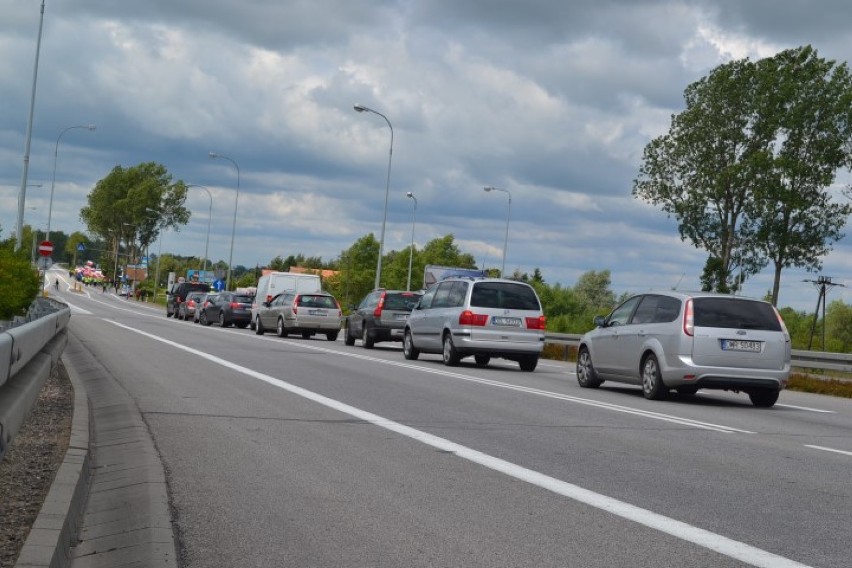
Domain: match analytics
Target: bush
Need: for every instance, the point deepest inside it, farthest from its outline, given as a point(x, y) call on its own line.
point(19, 282)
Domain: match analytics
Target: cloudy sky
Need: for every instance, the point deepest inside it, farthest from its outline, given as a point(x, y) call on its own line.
point(553, 100)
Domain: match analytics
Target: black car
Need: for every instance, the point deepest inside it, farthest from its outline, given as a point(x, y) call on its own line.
point(178, 293)
point(227, 308)
point(380, 316)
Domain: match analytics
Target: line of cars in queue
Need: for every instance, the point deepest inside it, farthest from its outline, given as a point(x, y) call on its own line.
point(661, 341)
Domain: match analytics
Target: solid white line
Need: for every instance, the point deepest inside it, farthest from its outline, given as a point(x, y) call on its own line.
point(805, 408)
point(823, 448)
point(76, 309)
point(712, 541)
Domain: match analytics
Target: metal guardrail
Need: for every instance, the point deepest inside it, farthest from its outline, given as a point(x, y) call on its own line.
point(801, 359)
point(29, 350)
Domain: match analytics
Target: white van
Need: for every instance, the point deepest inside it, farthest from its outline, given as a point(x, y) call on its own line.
point(274, 283)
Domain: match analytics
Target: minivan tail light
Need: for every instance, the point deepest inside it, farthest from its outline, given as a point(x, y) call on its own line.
point(467, 317)
point(781, 321)
point(537, 323)
point(689, 319)
point(296, 305)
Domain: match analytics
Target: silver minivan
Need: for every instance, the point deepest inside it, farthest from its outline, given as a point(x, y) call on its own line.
point(689, 341)
point(481, 317)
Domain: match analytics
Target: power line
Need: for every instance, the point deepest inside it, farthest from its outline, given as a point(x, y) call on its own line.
point(824, 283)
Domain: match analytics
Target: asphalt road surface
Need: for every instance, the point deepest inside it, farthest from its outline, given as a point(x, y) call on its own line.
point(292, 452)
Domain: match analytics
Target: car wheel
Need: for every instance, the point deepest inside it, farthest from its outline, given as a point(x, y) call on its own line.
point(764, 398)
point(450, 355)
point(348, 338)
point(367, 339)
point(408, 350)
point(482, 360)
point(652, 381)
point(202, 319)
point(168, 313)
point(587, 377)
point(280, 329)
point(528, 363)
point(258, 326)
point(306, 335)
point(222, 322)
point(331, 336)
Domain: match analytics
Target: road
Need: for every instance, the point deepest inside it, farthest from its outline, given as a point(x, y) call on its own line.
point(292, 452)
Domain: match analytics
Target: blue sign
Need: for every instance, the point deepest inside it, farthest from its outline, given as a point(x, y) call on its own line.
point(219, 285)
point(80, 247)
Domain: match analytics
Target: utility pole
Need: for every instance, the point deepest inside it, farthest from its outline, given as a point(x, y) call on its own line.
point(824, 283)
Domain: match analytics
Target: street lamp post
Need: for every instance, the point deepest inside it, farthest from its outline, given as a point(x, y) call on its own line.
point(362, 108)
point(234, 226)
point(53, 183)
point(411, 251)
point(209, 218)
point(508, 213)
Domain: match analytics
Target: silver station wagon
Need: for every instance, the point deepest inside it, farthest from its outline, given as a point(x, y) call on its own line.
point(689, 341)
point(481, 317)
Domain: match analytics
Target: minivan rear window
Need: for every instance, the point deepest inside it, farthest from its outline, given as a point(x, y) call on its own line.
point(735, 314)
point(402, 302)
point(316, 301)
point(504, 295)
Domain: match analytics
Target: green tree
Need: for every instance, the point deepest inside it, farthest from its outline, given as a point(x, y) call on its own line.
point(357, 266)
point(132, 205)
point(744, 167)
point(443, 251)
point(838, 327)
point(19, 281)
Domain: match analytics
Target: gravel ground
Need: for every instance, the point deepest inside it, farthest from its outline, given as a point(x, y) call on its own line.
point(28, 469)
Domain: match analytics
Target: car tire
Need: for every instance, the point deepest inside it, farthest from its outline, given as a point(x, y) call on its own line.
point(449, 354)
point(280, 330)
point(306, 334)
point(528, 363)
point(653, 387)
point(331, 336)
point(348, 338)
point(258, 326)
point(482, 360)
point(764, 398)
point(408, 350)
point(587, 377)
point(367, 339)
point(222, 322)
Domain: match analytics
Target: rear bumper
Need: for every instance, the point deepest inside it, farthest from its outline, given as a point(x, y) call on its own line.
point(686, 373)
point(465, 344)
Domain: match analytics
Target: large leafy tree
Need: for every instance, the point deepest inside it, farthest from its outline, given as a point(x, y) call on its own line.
point(757, 143)
point(19, 281)
point(133, 204)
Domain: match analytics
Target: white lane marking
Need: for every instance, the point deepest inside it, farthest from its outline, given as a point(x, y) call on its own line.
point(809, 409)
point(76, 309)
point(723, 545)
point(823, 448)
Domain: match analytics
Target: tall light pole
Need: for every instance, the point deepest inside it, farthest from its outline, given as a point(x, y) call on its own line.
point(53, 183)
point(22, 196)
point(234, 226)
point(411, 251)
point(362, 108)
point(508, 213)
point(209, 218)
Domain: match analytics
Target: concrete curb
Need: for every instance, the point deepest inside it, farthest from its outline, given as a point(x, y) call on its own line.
point(55, 529)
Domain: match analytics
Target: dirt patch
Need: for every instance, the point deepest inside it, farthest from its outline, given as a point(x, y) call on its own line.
point(28, 469)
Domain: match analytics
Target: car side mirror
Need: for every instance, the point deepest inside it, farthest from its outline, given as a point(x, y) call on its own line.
point(599, 321)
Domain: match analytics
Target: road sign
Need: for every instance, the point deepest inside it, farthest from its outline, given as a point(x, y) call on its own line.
point(45, 262)
point(45, 248)
point(81, 247)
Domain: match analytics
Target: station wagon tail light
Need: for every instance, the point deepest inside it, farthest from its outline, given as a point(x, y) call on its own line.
point(379, 307)
point(689, 319)
point(781, 321)
point(295, 305)
point(235, 305)
point(467, 317)
point(537, 323)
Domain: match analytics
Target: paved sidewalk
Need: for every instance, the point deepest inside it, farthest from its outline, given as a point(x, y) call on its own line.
point(126, 519)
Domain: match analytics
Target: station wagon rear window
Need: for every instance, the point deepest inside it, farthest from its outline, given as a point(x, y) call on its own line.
point(317, 302)
point(735, 314)
point(402, 302)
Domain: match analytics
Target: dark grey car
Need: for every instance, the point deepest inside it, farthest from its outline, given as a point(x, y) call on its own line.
point(380, 316)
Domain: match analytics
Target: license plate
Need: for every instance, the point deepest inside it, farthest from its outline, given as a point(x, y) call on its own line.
point(400, 317)
point(741, 345)
point(506, 322)
point(316, 312)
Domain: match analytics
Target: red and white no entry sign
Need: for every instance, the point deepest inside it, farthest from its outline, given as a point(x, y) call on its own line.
point(45, 248)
